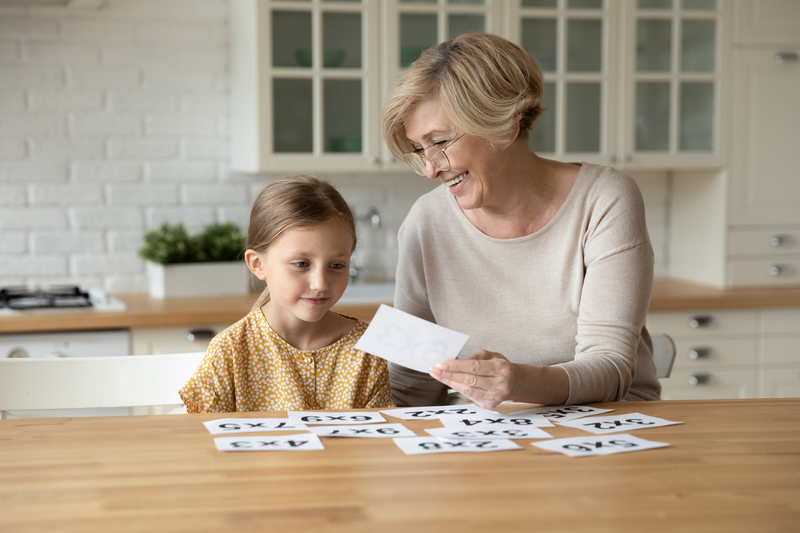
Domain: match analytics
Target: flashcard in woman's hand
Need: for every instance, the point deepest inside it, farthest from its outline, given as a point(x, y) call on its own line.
point(409, 341)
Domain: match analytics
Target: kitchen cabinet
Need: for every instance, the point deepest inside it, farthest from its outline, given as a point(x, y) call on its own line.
point(629, 84)
point(749, 353)
point(155, 341)
point(307, 76)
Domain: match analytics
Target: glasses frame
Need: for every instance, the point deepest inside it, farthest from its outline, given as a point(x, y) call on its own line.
point(416, 159)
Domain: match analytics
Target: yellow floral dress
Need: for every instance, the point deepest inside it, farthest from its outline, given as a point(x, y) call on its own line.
point(248, 367)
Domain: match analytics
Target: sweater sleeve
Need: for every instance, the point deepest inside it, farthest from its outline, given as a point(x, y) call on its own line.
point(409, 387)
point(618, 261)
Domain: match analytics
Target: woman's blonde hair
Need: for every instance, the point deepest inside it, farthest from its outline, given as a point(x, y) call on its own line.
point(486, 84)
point(294, 202)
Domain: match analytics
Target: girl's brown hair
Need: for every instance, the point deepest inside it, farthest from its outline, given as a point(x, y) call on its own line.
point(294, 202)
point(486, 84)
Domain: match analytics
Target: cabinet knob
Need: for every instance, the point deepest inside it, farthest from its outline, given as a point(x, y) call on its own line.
point(776, 241)
point(390, 159)
point(775, 270)
point(373, 160)
point(701, 321)
point(18, 353)
point(700, 378)
point(200, 334)
point(701, 353)
point(628, 158)
point(612, 159)
point(786, 57)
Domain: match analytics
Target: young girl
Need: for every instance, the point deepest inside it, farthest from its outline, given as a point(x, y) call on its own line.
point(292, 352)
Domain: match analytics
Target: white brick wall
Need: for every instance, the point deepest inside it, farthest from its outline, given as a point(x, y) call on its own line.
point(115, 120)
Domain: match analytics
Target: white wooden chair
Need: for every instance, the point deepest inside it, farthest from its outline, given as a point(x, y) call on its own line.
point(663, 354)
point(133, 382)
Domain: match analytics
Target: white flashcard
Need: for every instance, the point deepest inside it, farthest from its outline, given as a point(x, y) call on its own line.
point(371, 431)
point(316, 417)
point(250, 425)
point(488, 432)
point(612, 424)
point(420, 445)
point(603, 445)
point(408, 340)
point(495, 421)
point(302, 441)
point(563, 412)
point(431, 413)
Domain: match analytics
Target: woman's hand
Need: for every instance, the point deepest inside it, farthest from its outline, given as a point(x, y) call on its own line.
point(487, 378)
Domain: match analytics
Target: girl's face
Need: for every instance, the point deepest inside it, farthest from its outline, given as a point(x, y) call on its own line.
point(472, 160)
point(306, 270)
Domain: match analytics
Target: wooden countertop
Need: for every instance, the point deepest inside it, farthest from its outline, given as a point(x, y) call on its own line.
point(732, 465)
point(146, 312)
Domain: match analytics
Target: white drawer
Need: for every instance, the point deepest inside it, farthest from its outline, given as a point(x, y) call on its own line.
point(712, 385)
point(785, 320)
point(780, 382)
point(704, 323)
point(708, 354)
point(778, 350)
point(756, 272)
point(777, 242)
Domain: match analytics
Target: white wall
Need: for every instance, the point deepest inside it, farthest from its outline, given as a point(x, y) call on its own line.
point(114, 120)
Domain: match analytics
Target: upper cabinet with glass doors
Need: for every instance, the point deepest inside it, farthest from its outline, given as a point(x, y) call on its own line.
point(305, 85)
point(308, 75)
point(627, 83)
point(631, 83)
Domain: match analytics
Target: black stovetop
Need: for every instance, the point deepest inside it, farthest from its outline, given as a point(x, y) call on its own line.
point(55, 297)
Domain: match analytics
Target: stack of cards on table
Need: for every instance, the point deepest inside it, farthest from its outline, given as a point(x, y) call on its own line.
point(466, 428)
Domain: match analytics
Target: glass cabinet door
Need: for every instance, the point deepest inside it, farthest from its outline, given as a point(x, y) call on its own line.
point(570, 39)
point(674, 80)
point(323, 84)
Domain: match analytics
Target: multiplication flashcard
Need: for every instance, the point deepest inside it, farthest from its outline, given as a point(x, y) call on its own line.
point(372, 431)
point(432, 413)
point(299, 442)
point(250, 425)
point(601, 445)
point(612, 424)
point(563, 412)
point(422, 445)
point(484, 432)
point(305, 417)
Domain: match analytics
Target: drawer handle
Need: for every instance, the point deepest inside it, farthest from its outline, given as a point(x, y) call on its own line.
point(701, 378)
point(776, 241)
point(701, 353)
point(201, 334)
point(785, 57)
point(775, 270)
point(701, 322)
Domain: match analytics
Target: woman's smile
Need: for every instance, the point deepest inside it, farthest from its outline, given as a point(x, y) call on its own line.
point(455, 181)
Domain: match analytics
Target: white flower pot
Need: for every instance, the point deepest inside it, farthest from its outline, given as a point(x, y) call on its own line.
point(183, 280)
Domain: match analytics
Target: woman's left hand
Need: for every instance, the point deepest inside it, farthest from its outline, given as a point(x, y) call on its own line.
point(487, 378)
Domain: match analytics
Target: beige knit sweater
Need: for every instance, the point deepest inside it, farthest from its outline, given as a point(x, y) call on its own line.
point(574, 294)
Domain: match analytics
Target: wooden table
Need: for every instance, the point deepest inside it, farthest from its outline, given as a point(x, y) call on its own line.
point(734, 465)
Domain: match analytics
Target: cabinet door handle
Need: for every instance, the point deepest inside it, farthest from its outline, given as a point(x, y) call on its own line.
point(200, 334)
point(701, 321)
point(373, 160)
point(701, 353)
point(776, 241)
point(700, 378)
point(786, 57)
point(775, 270)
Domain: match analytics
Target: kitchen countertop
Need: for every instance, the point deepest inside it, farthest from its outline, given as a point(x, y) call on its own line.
point(146, 312)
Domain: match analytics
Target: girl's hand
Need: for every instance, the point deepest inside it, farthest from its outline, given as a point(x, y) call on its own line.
point(487, 378)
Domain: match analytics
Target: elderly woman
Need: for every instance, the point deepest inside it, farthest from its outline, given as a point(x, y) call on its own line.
point(547, 266)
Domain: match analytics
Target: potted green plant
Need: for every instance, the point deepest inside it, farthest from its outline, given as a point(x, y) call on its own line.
point(207, 264)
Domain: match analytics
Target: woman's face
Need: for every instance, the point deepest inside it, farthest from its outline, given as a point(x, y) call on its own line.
point(471, 158)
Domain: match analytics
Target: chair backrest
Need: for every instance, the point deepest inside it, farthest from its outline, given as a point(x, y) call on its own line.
point(92, 382)
point(663, 354)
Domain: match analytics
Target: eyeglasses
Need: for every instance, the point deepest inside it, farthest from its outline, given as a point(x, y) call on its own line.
point(434, 153)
